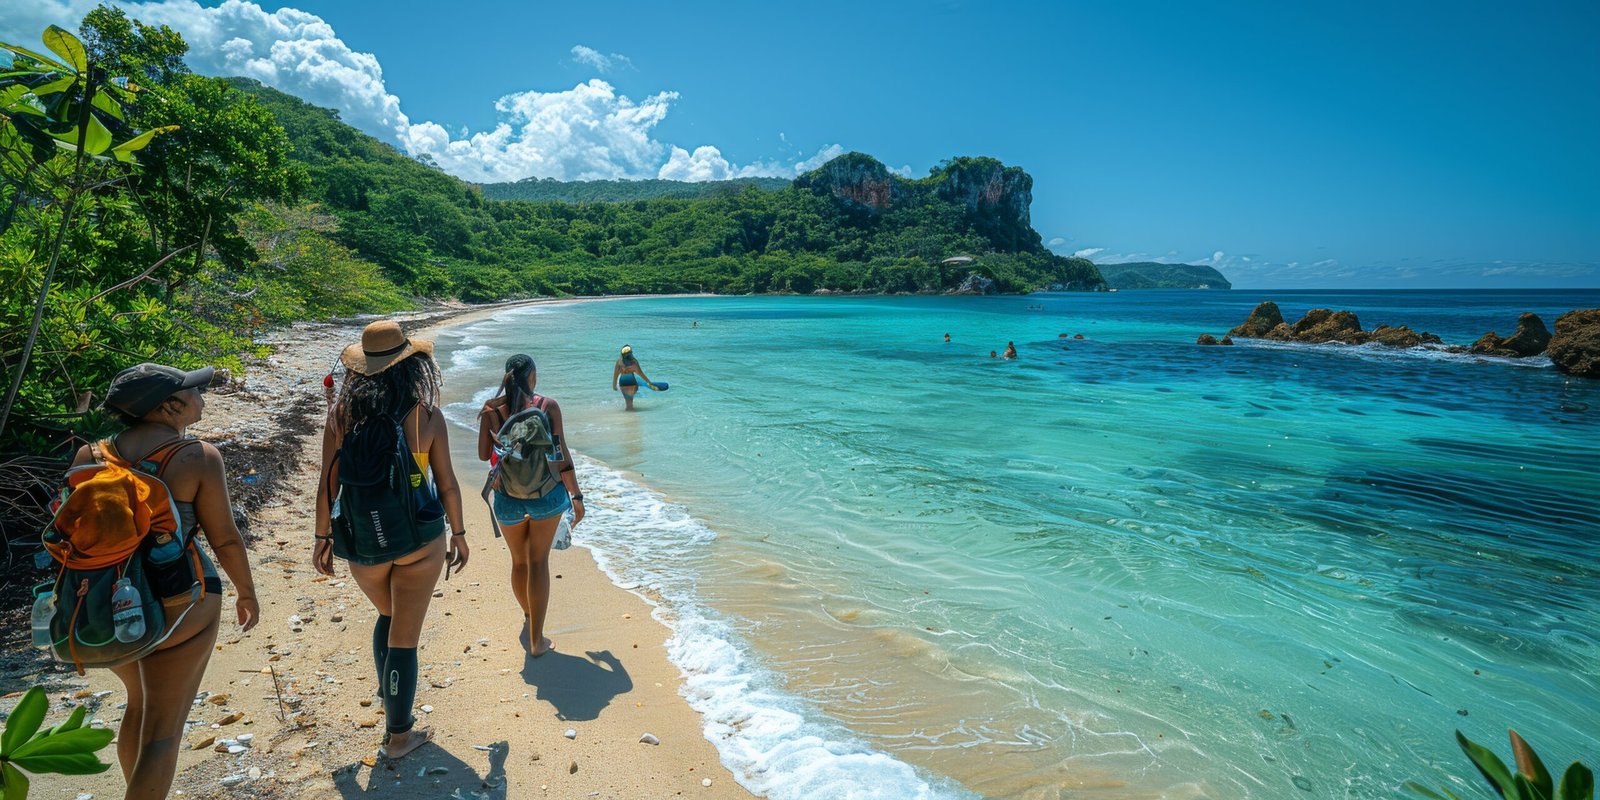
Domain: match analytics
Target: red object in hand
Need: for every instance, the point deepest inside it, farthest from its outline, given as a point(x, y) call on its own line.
point(327, 381)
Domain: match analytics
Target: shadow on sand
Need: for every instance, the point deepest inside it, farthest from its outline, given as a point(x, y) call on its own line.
point(579, 688)
point(459, 781)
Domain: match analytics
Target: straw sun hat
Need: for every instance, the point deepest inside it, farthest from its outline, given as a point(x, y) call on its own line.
point(382, 346)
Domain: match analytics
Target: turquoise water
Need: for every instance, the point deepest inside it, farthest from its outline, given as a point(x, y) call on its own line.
point(1123, 566)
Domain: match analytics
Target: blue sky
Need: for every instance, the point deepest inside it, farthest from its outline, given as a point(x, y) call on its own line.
point(1292, 145)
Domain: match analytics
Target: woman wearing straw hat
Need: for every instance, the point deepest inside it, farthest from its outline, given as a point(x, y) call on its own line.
point(623, 376)
point(391, 377)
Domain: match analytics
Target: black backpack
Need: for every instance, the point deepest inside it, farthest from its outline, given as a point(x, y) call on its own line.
point(384, 507)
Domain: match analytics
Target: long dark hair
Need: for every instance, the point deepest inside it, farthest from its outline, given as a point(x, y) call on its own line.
point(514, 386)
point(391, 392)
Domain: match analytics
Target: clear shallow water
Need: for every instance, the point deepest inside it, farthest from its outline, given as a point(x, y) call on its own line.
point(1132, 567)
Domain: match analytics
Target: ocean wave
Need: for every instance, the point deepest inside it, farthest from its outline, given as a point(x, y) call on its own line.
point(772, 741)
point(1379, 352)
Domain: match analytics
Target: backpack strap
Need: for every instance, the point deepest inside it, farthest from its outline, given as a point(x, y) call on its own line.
point(163, 454)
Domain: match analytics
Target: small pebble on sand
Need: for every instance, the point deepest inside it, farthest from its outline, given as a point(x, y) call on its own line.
point(705, 782)
point(649, 738)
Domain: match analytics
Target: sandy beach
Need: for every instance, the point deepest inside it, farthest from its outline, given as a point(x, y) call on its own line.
point(294, 697)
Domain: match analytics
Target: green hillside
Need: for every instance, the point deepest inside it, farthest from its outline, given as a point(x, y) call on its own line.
point(1154, 275)
point(849, 226)
point(620, 191)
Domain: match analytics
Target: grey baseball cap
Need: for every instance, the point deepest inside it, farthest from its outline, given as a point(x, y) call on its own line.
point(136, 391)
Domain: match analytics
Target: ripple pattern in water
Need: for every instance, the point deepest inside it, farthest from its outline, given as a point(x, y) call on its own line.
point(1124, 566)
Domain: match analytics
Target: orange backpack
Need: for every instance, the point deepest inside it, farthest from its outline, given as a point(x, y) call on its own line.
point(112, 519)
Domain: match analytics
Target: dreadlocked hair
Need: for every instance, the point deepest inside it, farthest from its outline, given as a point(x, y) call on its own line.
point(391, 392)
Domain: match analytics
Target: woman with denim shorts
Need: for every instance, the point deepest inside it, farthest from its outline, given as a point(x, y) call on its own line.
point(529, 526)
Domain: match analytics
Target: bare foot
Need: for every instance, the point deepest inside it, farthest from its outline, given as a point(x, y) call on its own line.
point(545, 646)
point(399, 745)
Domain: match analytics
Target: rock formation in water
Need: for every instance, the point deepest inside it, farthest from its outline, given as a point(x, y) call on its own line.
point(1530, 339)
point(1321, 325)
point(1575, 347)
point(1263, 318)
point(1206, 338)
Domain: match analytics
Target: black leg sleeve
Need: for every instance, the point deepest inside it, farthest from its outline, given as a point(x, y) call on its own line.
point(399, 689)
point(380, 648)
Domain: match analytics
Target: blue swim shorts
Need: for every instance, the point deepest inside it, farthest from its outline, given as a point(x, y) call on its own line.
point(512, 510)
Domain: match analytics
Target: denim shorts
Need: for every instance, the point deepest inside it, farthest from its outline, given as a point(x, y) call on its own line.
point(512, 510)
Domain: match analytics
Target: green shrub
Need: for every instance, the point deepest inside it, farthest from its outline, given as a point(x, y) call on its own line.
point(27, 747)
point(1531, 781)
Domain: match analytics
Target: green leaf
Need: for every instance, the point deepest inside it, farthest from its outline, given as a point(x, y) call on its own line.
point(15, 783)
point(57, 85)
point(1577, 784)
point(98, 138)
point(104, 102)
point(1526, 790)
point(68, 764)
point(24, 720)
point(1494, 770)
point(1413, 786)
point(80, 740)
point(64, 44)
point(138, 142)
point(73, 721)
point(45, 60)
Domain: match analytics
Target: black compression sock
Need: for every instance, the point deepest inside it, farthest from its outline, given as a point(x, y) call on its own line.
point(380, 647)
point(399, 688)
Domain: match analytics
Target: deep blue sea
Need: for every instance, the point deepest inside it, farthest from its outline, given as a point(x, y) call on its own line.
point(1121, 566)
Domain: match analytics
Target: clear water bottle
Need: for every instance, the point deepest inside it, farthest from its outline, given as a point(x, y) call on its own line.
point(167, 549)
point(563, 538)
point(44, 607)
point(127, 613)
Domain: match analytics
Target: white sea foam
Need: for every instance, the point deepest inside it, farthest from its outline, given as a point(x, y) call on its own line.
point(1377, 352)
point(470, 357)
point(775, 744)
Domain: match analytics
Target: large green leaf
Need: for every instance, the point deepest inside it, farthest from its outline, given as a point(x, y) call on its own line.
point(24, 720)
point(1494, 770)
point(105, 102)
point(137, 143)
point(98, 139)
point(42, 59)
point(80, 740)
point(64, 44)
point(57, 85)
point(68, 764)
point(15, 783)
point(1577, 784)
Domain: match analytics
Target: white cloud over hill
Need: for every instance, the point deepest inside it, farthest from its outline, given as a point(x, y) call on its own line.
point(587, 132)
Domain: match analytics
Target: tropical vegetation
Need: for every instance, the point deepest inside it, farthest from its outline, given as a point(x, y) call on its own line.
point(149, 213)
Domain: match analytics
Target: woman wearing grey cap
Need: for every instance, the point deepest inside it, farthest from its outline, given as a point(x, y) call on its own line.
point(158, 403)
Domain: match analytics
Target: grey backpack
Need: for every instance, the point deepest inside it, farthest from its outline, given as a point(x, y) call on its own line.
point(528, 451)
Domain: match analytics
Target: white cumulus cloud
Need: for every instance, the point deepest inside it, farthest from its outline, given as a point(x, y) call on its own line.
point(1056, 242)
point(1089, 252)
point(591, 57)
point(587, 132)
